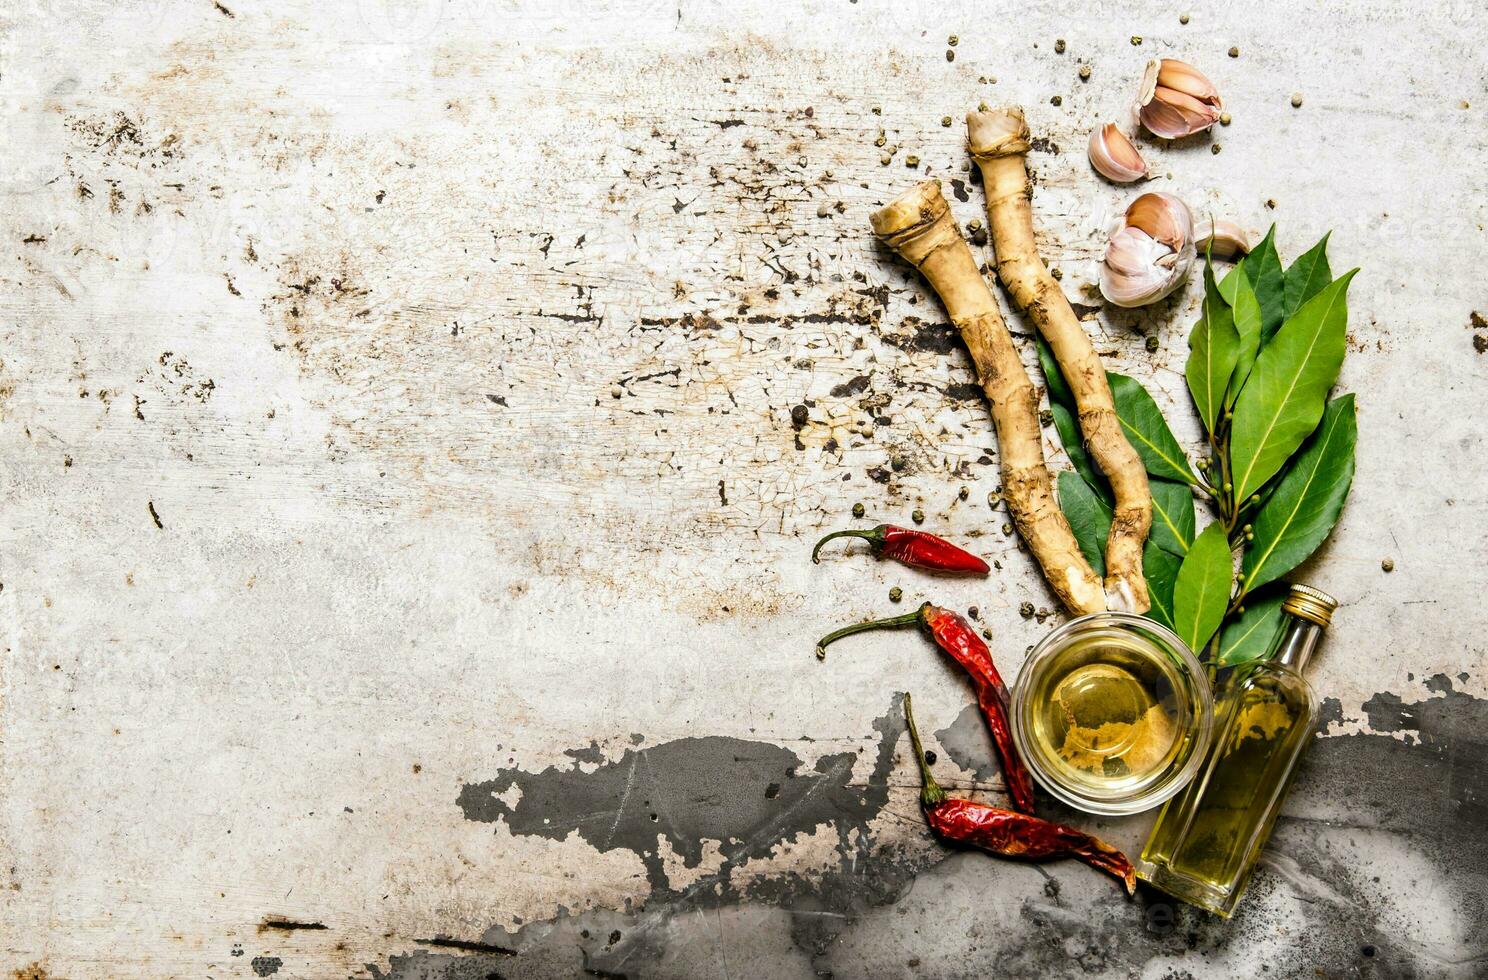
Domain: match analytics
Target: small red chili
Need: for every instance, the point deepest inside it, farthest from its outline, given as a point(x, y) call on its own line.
point(916, 549)
point(957, 637)
point(1005, 832)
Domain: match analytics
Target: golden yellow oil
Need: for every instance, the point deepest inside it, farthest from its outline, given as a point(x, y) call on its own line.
point(1105, 717)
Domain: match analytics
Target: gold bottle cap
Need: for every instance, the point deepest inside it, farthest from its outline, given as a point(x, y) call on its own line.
point(1311, 604)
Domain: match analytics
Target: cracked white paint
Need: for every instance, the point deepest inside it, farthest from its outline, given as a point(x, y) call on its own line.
point(454, 345)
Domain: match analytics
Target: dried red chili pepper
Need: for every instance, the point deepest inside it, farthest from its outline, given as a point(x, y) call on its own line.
point(957, 637)
point(1006, 832)
point(916, 549)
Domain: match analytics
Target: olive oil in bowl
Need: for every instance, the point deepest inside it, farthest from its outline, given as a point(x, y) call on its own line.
point(1111, 713)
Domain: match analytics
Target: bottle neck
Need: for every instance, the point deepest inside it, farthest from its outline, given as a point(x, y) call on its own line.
point(1294, 645)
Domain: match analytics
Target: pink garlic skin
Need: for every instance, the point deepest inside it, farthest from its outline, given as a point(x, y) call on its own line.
point(1177, 100)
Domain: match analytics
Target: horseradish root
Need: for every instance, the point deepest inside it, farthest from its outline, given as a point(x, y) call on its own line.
point(999, 141)
point(918, 225)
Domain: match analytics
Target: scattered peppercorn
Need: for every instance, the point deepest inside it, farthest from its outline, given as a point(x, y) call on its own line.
point(886, 159)
point(981, 107)
point(1388, 565)
point(1059, 46)
point(1057, 100)
point(1007, 530)
point(1084, 73)
point(878, 110)
point(1214, 149)
point(945, 121)
point(882, 138)
point(1152, 343)
point(1025, 609)
point(964, 492)
point(993, 499)
point(1046, 418)
point(918, 516)
point(859, 510)
point(1234, 52)
point(950, 55)
point(953, 40)
point(1224, 118)
point(1057, 273)
point(1183, 18)
point(1296, 100)
point(1271, 203)
point(1136, 40)
point(895, 594)
point(974, 612)
point(974, 224)
point(911, 161)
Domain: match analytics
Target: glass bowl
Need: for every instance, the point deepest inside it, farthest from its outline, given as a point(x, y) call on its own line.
point(1112, 713)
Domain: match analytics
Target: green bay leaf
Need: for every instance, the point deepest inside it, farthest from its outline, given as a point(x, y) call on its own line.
point(1059, 389)
point(1307, 276)
point(1069, 436)
point(1172, 516)
point(1160, 569)
point(1249, 635)
point(1247, 318)
point(1088, 517)
point(1283, 400)
point(1202, 590)
point(1263, 271)
point(1214, 346)
point(1148, 432)
point(1301, 511)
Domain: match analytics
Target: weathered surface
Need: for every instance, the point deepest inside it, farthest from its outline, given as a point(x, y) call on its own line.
point(414, 416)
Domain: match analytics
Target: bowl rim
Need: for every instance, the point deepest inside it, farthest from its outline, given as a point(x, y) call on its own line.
point(1155, 793)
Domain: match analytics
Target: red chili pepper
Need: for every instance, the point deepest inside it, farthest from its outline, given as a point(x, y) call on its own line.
point(916, 549)
point(1005, 832)
point(957, 637)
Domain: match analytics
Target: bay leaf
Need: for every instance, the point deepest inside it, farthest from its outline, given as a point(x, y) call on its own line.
point(1148, 432)
point(1160, 569)
point(1247, 318)
point(1307, 276)
point(1172, 516)
point(1249, 635)
point(1283, 400)
point(1263, 271)
point(1214, 346)
point(1088, 517)
point(1202, 590)
point(1301, 511)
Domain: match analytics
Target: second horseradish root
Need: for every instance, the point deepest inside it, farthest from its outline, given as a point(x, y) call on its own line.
point(999, 142)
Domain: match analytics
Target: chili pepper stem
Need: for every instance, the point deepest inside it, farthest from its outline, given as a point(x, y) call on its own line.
point(894, 622)
point(874, 537)
point(931, 795)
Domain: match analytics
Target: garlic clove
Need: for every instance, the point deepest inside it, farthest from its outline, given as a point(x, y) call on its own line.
point(1114, 156)
point(1180, 76)
point(1150, 255)
point(1163, 217)
point(1221, 239)
point(1176, 100)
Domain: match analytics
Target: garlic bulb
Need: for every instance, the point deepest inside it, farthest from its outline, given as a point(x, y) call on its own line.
point(1177, 100)
point(1151, 252)
point(1221, 239)
point(1114, 157)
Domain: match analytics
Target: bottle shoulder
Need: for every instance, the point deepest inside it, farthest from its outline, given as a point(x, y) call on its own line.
point(1275, 681)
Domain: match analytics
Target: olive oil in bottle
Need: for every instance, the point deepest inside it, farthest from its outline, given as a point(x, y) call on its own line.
point(1208, 837)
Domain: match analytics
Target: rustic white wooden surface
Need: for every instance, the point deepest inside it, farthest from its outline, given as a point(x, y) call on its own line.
point(454, 347)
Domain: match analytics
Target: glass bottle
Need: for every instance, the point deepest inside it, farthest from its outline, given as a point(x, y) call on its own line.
point(1207, 838)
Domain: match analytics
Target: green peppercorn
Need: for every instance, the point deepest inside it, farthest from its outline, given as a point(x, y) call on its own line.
point(918, 516)
point(895, 594)
point(858, 510)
